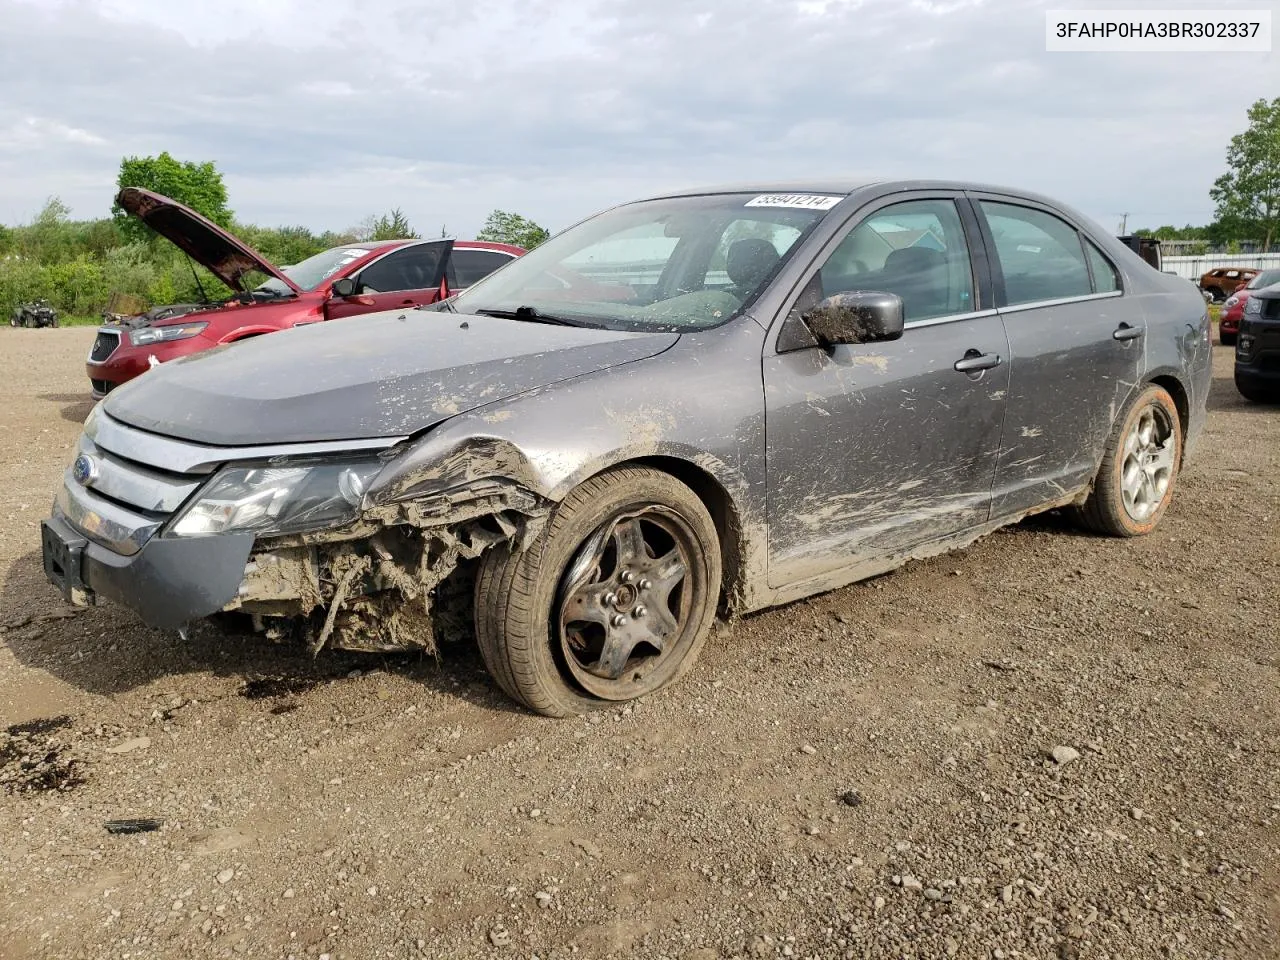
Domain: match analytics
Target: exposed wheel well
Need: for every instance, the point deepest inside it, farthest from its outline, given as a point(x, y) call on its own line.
point(718, 503)
point(1176, 390)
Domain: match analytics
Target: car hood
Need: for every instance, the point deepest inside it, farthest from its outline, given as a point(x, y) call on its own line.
point(204, 241)
point(377, 375)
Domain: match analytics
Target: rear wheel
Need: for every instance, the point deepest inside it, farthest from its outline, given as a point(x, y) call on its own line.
point(1136, 479)
point(613, 601)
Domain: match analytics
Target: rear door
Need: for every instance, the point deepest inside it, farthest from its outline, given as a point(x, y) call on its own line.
point(1075, 343)
point(406, 277)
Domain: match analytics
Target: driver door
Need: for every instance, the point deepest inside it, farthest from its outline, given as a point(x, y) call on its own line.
point(408, 277)
point(876, 448)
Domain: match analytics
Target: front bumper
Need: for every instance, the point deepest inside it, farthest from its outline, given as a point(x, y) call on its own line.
point(126, 361)
point(168, 582)
point(1257, 366)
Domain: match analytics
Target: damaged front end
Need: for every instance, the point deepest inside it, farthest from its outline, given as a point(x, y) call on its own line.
point(348, 544)
point(394, 580)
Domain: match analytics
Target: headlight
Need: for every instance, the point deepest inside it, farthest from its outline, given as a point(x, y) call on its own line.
point(178, 331)
point(1253, 306)
point(1231, 302)
point(274, 499)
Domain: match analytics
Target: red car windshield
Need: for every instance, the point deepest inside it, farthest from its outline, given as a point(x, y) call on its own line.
point(313, 271)
point(1265, 279)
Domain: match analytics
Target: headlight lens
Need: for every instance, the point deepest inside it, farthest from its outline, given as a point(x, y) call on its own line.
point(277, 498)
point(1231, 302)
point(1253, 306)
point(178, 331)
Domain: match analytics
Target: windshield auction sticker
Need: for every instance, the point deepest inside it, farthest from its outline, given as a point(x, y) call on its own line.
point(1158, 31)
point(802, 201)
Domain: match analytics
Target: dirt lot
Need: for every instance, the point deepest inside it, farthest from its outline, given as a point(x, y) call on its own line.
point(867, 773)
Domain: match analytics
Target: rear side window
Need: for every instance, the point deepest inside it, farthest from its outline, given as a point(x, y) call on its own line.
point(1040, 255)
point(471, 266)
point(1105, 277)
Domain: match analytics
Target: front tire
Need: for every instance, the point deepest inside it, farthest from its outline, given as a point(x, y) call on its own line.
point(1136, 479)
point(612, 601)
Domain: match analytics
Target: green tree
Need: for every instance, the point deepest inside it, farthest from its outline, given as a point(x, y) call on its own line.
point(504, 227)
point(1248, 194)
point(390, 226)
point(197, 185)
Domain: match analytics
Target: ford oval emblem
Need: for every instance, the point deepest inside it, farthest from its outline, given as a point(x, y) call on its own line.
point(85, 470)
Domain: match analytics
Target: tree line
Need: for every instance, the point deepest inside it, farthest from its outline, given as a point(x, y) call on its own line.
point(1247, 197)
point(77, 265)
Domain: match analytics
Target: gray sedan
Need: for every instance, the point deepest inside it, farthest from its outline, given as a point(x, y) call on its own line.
point(706, 402)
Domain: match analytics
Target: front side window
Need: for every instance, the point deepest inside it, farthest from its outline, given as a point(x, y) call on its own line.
point(915, 249)
point(1039, 254)
point(681, 264)
point(413, 268)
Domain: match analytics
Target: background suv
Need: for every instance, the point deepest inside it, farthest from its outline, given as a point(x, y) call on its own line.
point(1233, 309)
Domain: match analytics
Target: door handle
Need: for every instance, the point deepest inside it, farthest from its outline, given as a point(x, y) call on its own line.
point(1126, 332)
point(973, 361)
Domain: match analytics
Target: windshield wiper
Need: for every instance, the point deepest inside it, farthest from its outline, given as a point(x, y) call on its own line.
point(534, 315)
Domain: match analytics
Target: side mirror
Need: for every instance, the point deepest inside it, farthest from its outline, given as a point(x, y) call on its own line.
point(344, 287)
point(859, 317)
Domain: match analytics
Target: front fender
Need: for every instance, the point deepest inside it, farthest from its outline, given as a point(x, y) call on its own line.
point(699, 402)
point(239, 333)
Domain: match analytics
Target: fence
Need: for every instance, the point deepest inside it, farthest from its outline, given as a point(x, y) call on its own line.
point(1193, 267)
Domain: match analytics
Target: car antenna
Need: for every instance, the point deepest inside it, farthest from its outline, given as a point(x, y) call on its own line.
point(204, 297)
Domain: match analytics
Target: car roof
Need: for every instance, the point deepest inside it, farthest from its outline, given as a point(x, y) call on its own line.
point(849, 185)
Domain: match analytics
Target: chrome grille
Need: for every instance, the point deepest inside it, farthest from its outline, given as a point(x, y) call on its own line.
point(104, 345)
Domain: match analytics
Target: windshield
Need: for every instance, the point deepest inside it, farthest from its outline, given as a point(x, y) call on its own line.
point(1265, 279)
point(313, 271)
point(679, 264)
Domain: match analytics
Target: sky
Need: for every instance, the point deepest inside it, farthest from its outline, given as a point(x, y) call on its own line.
point(322, 112)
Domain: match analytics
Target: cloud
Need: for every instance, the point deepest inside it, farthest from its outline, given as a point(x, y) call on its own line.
point(320, 111)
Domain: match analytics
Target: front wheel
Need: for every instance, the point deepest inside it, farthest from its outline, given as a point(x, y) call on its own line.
point(1136, 479)
point(613, 601)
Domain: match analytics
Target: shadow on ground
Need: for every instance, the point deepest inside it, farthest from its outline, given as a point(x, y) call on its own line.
point(76, 406)
point(107, 650)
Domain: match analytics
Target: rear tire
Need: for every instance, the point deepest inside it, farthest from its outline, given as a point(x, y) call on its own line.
point(1139, 469)
point(612, 601)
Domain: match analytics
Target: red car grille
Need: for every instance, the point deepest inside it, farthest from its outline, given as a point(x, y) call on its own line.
point(104, 345)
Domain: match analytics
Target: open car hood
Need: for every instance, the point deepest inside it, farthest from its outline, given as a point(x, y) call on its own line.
point(204, 241)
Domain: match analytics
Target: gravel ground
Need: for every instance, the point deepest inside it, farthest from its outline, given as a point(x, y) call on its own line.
point(1046, 745)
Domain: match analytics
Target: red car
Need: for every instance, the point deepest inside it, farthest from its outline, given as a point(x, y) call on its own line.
point(347, 280)
point(1233, 309)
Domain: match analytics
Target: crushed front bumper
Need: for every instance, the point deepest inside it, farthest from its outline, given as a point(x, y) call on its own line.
point(168, 582)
